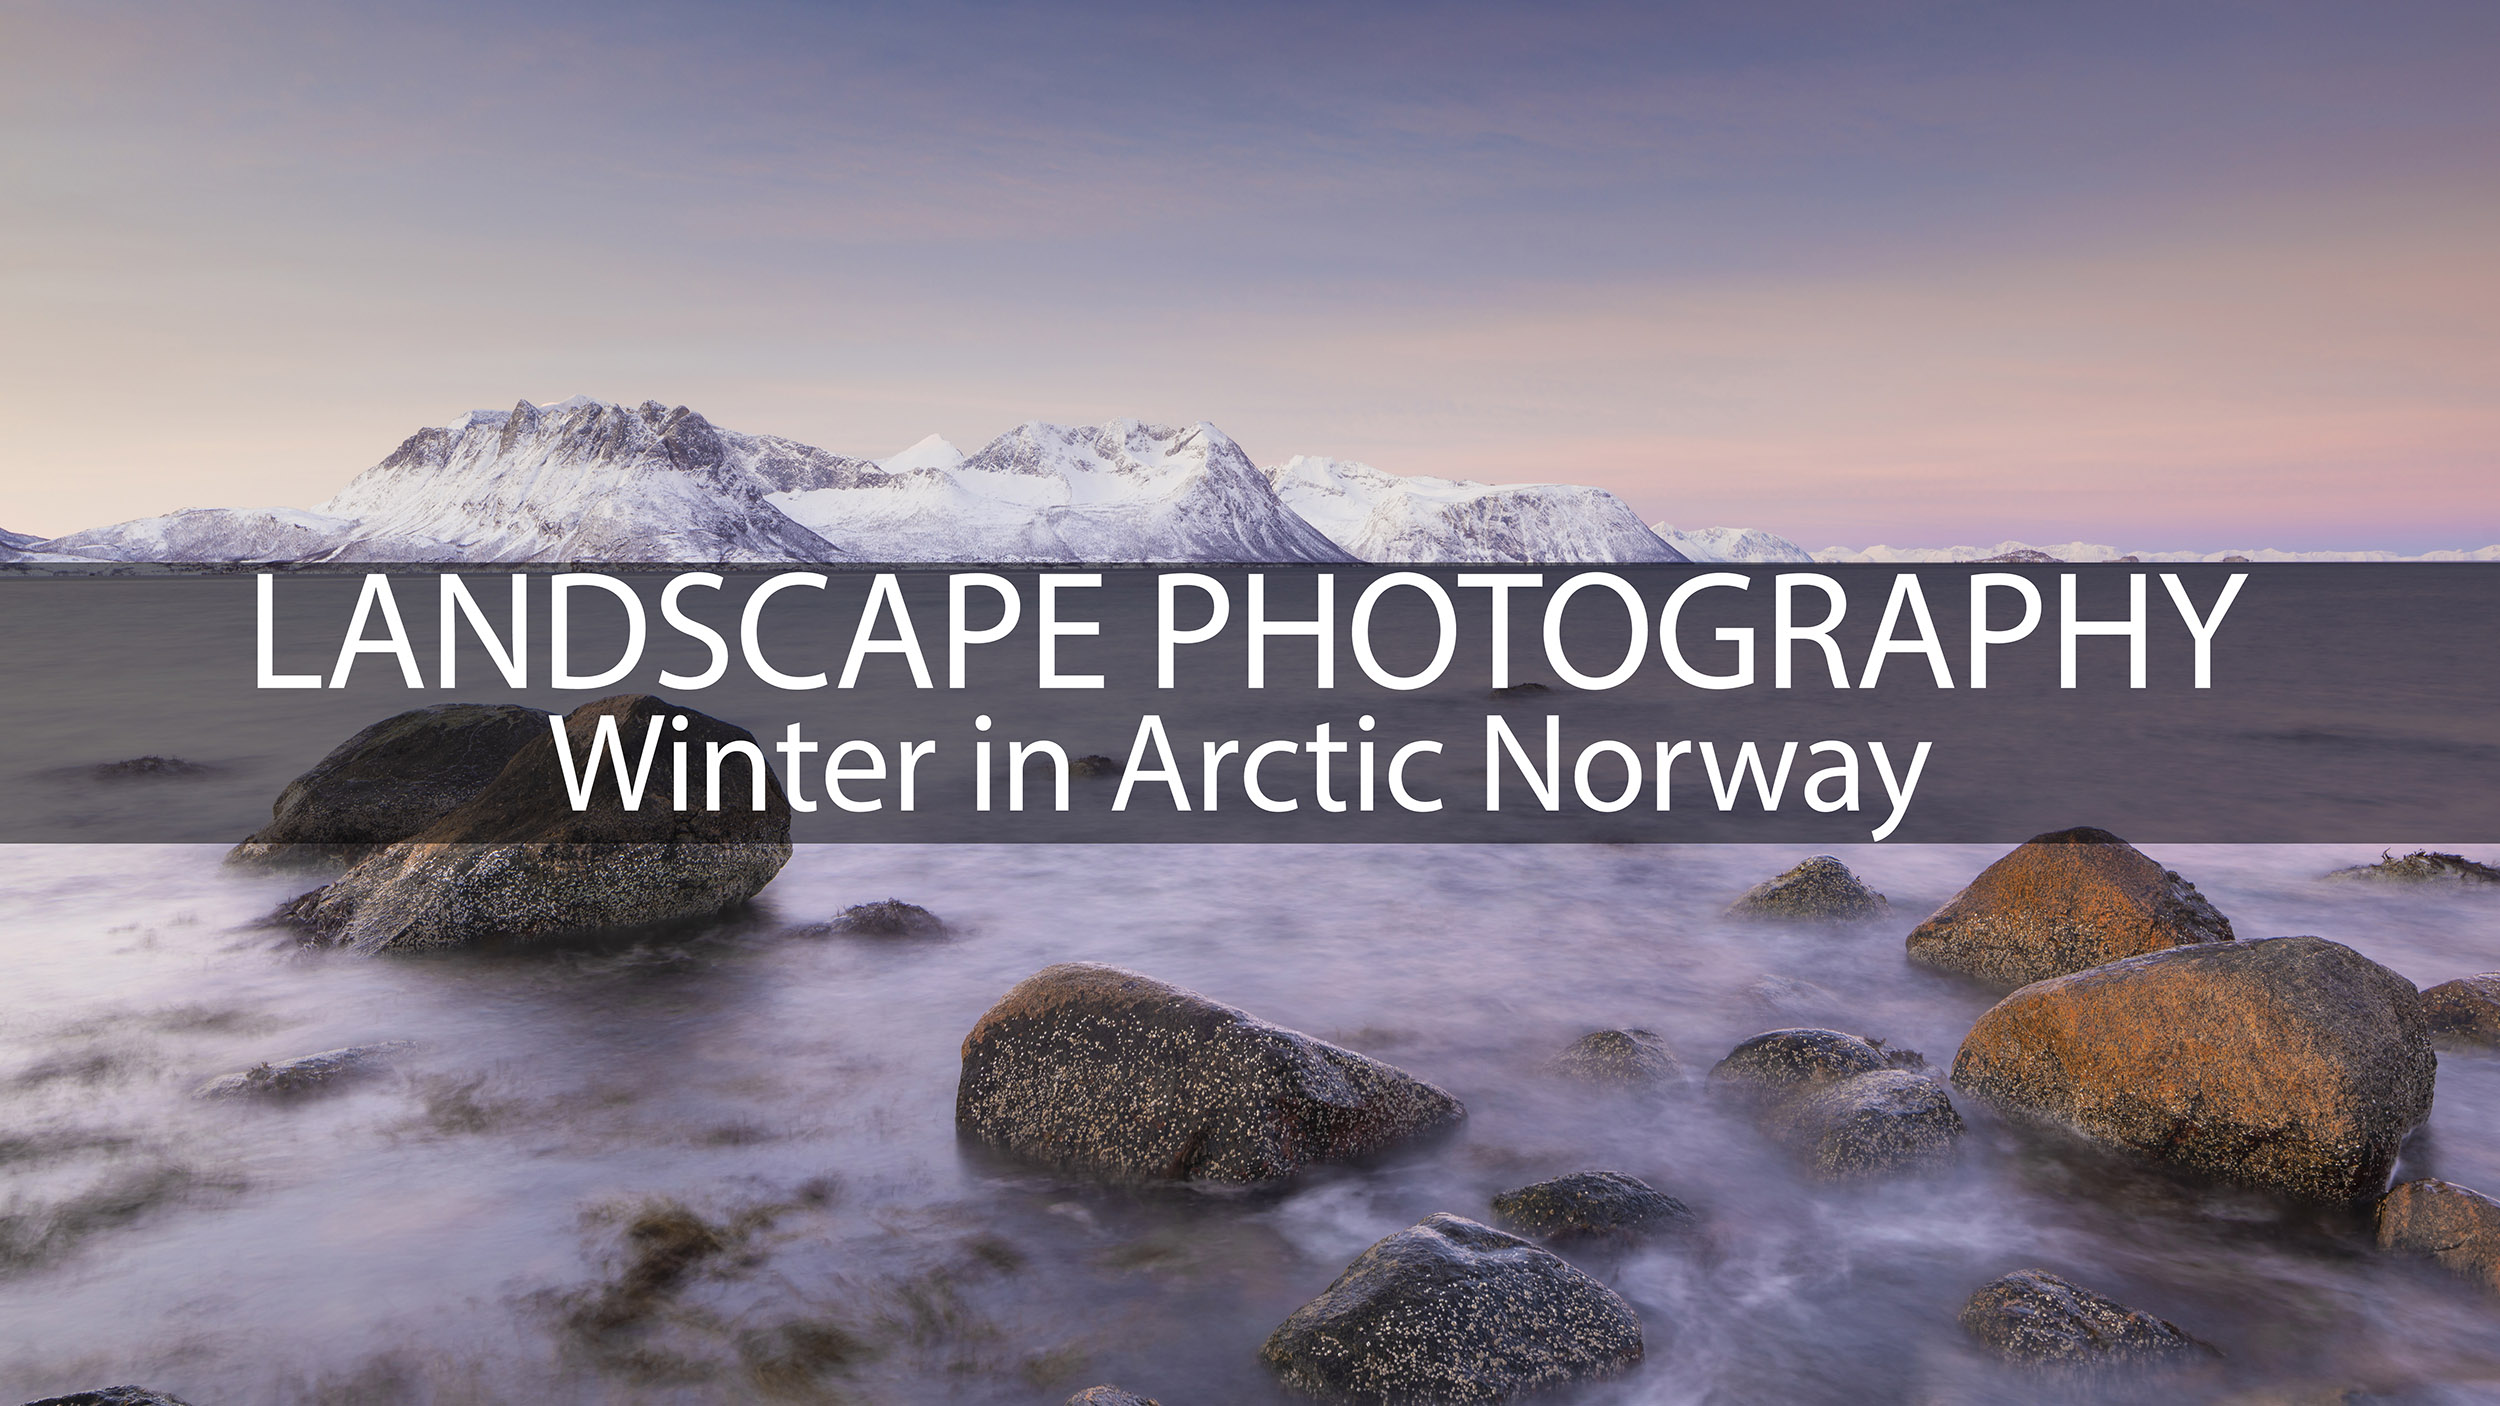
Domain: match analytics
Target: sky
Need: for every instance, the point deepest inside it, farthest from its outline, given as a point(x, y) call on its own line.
point(2166, 276)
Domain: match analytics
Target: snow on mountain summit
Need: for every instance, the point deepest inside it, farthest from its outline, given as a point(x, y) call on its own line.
point(1119, 491)
point(1381, 516)
point(581, 480)
point(1731, 544)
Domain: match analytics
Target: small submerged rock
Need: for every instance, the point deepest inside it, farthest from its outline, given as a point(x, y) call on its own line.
point(1093, 764)
point(1632, 1058)
point(1113, 1074)
point(1449, 1310)
point(2060, 903)
point(2290, 1064)
point(1109, 1396)
point(2421, 867)
point(303, 1074)
point(391, 781)
point(143, 768)
point(1821, 889)
point(1592, 1205)
point(2034, 1317)
point(517, 860)
point(1850, 1107)
point(1522, 690)
point(2458, 1228)
point(891, 918)
point(2465, 1011)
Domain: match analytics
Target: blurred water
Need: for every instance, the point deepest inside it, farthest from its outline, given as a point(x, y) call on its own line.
point(442, 1234)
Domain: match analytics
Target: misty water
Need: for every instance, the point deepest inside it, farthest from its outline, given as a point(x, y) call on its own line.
point(457, 1230)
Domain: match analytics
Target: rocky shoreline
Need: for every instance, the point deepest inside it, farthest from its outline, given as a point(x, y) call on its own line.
point(2131, 1022)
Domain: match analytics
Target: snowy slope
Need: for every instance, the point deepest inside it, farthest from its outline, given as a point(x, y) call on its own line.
point(234, 534)
point(1731, 544)
point(1380, 516)
point(1120, 491)
point(583, 480)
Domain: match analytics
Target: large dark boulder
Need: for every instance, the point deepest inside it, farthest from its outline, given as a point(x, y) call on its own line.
point(1820, 890)
point(391, 780)
point(2060, 903)
point(1112, 1074)
point(1848, 1106)
point(1451, 1311)
point(2458, 1228)
point(111, 1396)
point(1592, 1206)
point(2293, 1064)
point(2465, 1011)
point(1632, 1059)
point(516, 860)
point(2033, 1317)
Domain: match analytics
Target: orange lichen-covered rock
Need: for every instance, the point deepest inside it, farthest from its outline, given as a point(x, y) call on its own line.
point(1117, 1075)
point(2293, 1064)
point(2063, 902)
point(2465, 1011)
point(2457, 1227)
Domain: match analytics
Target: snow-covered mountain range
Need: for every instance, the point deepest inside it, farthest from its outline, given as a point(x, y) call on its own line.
point(1381, 516)
point(589, 480)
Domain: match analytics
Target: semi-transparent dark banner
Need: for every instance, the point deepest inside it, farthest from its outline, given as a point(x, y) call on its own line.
point(2333, 703)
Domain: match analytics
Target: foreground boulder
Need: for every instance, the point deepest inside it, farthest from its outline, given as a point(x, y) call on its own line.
point(1112, 1074)
point(1820, 890)
point(2465, 1011)
point(2061, 903)
point(303, 1074)
point(1848, 1106)
point(1594, 1206)
point(516, 860)
point(2292, 1064)
point(1637, 1059)
point(2421, 867)
point(111, 1396)
point(2457, 1227)
point(391, 781)
point(1451, 1311)
point(2032, 1316)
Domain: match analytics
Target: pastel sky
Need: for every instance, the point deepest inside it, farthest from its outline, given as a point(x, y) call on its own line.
point(2171, 275)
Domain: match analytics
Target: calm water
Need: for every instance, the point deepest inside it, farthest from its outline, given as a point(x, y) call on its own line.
point(454, 1231)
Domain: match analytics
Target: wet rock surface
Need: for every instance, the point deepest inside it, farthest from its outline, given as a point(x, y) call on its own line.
point(889, 918)
point(1849, 1106)
point(2458, 1228)
point(2291, 1064)
point(2034, 1317)
point(1113, 1074)
point(1633, 1058)
point(1109, 1396)
point(1592, 1205)
point(1821, 889)
point(2422, 866)
point(1449, 1310)
point(1884, 1123)
point(2465, 1011)
point(111, 1396)
point(304, 1074)
point(518, 861)
point(2061, 903)
point(391, 781)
